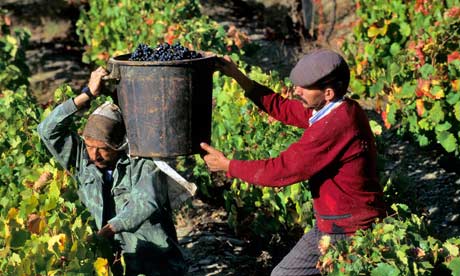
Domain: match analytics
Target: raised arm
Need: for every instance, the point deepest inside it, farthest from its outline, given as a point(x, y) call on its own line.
point(57, 136)
point(55, 132)
point(287, 111)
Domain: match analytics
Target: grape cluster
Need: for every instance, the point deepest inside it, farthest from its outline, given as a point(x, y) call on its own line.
point(163, 52)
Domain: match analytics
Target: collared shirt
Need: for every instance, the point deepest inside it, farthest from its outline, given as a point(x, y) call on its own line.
point(318, 115)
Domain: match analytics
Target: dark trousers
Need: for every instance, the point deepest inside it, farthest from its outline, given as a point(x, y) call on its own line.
point(304, 256)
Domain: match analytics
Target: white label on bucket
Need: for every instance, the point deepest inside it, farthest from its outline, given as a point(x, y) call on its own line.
point(177, 196)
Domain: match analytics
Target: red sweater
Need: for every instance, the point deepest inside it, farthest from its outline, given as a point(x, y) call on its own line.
point(337, 154)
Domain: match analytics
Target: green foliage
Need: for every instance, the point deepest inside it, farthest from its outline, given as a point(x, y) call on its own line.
point(398, 245)
point(43, 227)
point(405, 55)
point(114, 27)
point(13, 69)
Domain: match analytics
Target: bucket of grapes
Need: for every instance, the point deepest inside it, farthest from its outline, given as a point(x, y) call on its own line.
point(165, 95)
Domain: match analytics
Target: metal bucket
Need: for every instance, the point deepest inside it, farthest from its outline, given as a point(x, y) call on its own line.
point(166, 105)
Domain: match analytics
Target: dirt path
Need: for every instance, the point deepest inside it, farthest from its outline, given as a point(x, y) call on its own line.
point(211, 247)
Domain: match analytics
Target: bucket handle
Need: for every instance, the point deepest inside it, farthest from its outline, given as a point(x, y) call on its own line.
point(113, 69)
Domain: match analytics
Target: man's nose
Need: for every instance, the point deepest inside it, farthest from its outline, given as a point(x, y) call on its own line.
point(297, 90)
point(91, 151)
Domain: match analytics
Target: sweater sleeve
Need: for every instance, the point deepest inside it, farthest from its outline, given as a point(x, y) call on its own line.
point(287, 111)
point(318, 148)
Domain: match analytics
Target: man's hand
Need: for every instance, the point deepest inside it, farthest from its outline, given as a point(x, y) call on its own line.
point(107, 231)
point(229, 68)
point(215, 159)
point(94, 86)
point(96, 80)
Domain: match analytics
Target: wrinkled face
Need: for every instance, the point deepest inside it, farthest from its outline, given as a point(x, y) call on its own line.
point(310, 98)
point(100, 154)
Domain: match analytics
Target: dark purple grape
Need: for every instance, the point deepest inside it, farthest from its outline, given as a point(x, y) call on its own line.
point(163, 52)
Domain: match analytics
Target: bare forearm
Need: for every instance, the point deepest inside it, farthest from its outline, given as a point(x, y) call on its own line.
point(246, 83)
point(229, 68)
point(81, 100)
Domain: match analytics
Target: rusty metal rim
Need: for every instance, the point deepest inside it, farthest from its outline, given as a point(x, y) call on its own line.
point(123, 60)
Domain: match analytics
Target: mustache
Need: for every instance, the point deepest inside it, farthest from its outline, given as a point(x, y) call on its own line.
point(316, 107)
point(298, 98)
point(100, 160)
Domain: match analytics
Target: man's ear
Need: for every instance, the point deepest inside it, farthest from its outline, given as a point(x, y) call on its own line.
point(329, 94)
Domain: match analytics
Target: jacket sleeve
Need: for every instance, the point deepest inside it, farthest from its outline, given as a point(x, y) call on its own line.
point(55, 133)
point(287, 111)
point(141, 202)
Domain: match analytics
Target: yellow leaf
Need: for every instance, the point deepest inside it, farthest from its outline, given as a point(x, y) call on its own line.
point(120, 52)
point(7, 234)
point(242, 101)
point(426, 48)
point(383, 30)
point(324, 243)
point(95, 43)
point(15, 259)
point(101, 267)
point(359, 68)
point(438, 93)
point(12, 213)
point(74, 247)
point(455, 85)
point(59, 239)
point(420, 107)
point(54, 272)
point(435, 82)
point(4, 251)
point(12, 40)
point(373, 31)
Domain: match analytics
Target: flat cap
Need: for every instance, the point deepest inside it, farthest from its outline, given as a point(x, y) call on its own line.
point(317, 66)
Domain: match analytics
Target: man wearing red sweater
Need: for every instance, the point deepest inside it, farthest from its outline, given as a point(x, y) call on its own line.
point(336, 153)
